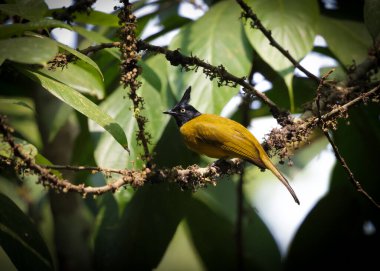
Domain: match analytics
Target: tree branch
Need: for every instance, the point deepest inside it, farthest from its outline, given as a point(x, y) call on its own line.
point(192, 177)
point(256, 23)
point(325, 130)
point(224, 77)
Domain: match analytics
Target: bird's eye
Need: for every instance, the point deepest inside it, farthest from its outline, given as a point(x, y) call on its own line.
point(183, 110)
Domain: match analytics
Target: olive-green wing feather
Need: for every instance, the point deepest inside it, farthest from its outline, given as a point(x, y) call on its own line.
point(231, 137)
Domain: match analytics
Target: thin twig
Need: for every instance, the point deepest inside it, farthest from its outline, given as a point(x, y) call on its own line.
point(338, 156)
point(101, 46)
point(85, 168)
point(314, 120)
point(248, 13)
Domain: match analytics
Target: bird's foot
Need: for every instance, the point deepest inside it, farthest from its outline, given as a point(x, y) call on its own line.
point(222, 163)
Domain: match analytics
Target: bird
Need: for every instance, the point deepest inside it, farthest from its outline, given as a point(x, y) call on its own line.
point(222, 138)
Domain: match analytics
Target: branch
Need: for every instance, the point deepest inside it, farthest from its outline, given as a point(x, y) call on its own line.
point(130, 72)
point(321, 123)
point(248, 13)
point(224, 77)
point(192, 177)
point(342, 109)
point(95, 48)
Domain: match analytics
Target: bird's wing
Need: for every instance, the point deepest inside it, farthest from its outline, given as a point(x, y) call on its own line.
point(227, 136)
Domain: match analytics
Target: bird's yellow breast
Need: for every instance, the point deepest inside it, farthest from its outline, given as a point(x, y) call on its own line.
point(220, 137)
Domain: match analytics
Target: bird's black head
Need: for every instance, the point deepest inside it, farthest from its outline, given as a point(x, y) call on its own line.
point(183, 112)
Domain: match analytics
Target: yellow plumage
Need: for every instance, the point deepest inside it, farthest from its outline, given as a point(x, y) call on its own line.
point(220, 137)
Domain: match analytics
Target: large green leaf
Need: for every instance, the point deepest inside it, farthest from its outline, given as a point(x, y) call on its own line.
point(98, 38)
point(28, 9)
point(292, 24)
point(338, 230)
point(348, 40)
point(119, 106)
point(98, 18)
point(218, 39)
point(21, 240)
point(10, 30)
point(28, 50)
point(79, 76)
point(80, 103)
point(372, 17)
point(139, 238)
point(362, 143)
point(81, 56)
point(216, 242)
point(334, 233)
point(181, 253)
point(21, 116)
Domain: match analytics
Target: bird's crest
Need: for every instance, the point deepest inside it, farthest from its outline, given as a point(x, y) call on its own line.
point(186, 97)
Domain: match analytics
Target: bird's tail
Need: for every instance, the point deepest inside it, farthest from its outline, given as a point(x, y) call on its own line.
point(269, 165)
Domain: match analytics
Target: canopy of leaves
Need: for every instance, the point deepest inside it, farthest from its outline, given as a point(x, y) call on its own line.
point(69, 106)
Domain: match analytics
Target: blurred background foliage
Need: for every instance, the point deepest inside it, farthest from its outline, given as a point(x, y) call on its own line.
point(57, 116)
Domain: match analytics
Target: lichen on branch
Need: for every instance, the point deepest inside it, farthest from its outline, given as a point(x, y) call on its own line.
point(130, 72)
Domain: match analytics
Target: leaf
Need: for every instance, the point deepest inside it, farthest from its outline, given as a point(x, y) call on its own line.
point(372, 18)
point(10, 30)
point(79, 76)
point(337, 226)
point(109, 154)
point(142, 234)
point(348, 40)
point(80, 103)
point(181, 253)
point(217, 38)
point(21, 240)
point(364, 137)
point(216, 208)
point(21, 118)
point(98, 38)
point(83, 57)
point(97, 18)
point(333, 233)
point(6, 150)
point(30, 9)
point(292, 24)
point(28, 50)
point(172, 23)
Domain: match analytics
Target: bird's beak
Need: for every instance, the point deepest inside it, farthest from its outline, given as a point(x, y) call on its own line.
point(169, 112)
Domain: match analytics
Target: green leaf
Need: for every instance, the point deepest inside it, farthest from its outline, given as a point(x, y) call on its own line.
point(216, 208)
point(21, 240)
point(142, 234)
point(79, 76)
point(98, 38)
point(30, 9)
point(80, 103)
point(22, 118)
point(174, 22)
point(292, 24)
point(333, 233)
point(363, 128)
point(335, 229)
point(348, 40)
point(28, 50)
point(217, 38)
point(372, 17)
point(181, 253)
point(97, 18)
point(10, 30)
point(109, 154)
point(83, 57)
point(6, 150)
